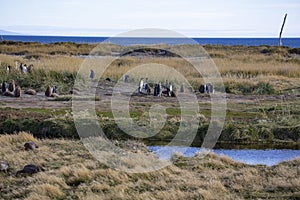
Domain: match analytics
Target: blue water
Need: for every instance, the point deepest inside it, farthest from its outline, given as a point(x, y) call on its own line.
point(267, 157)
point(291, 42)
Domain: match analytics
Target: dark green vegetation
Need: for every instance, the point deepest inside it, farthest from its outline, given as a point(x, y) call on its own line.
point(250, 88)
point(40, 122)
point(35, 49)
point(263, 82)
point(265, 122)
point(253, 122)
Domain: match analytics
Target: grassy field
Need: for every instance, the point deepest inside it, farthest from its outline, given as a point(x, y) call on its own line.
point(252, 71)
point(263, 89)
point(243, 69)
point(79, 176)
point(248, 121)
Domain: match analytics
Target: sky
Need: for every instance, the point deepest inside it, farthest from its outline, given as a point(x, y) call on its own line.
point(197, 18)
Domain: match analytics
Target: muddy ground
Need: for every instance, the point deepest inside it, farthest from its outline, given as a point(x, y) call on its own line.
point(104, 93)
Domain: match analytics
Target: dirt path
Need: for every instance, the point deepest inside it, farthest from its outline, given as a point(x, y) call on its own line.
point(105, 90)
point(40, 101)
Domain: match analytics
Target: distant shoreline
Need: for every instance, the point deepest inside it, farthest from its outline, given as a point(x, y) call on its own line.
point(125, 41)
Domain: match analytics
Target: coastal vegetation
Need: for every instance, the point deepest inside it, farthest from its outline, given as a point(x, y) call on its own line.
point(244, 70)
point(262, 81)
point(80, 176)
point(263, 110)
point(265, 122)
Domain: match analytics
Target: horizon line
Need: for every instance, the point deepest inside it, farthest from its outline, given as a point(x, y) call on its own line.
point(105, 36)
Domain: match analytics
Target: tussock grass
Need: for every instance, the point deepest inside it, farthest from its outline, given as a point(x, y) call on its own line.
point(75, 175)
point(236, 64)
point(72, 173)
point(13, 139)
point(47, 190)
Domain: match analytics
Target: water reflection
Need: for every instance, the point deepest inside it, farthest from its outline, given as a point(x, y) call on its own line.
point(267, 157)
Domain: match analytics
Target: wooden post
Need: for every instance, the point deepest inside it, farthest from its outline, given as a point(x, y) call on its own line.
point(279, 41)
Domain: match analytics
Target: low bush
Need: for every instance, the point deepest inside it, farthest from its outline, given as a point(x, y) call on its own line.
point(249, 88)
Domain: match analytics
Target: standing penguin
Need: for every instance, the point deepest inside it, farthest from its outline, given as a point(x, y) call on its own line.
point(141, 85)
point(167, 86)
point(182, 88)
point(147, 88)
point(202, 89)
point(92, 74)
point(48, 91)
point(170, 89)
point(3, 88)
point(210, 88)
point(24, 70)
point(159, 89)
point(126, 77)
point(8, 69)
point(30, 69)
point(155, 90)
point(53, 89)
point(21, 68)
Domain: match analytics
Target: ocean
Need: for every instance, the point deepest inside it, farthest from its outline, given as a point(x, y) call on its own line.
point(290, 42)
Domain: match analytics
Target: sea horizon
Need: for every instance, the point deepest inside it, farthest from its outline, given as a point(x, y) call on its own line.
point(293, 42)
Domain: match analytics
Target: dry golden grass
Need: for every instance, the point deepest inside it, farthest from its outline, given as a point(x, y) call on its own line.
point(235, 64)
point(72, 173)
point(33, 49)
point(280, 74)
point(46, 62)
point(11, 139)
point(47, 190)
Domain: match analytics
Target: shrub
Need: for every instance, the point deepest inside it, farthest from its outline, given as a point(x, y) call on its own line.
point(55, 127)
point(264, 88)
point(294, 51)
point(239, 88)
point(249, 88)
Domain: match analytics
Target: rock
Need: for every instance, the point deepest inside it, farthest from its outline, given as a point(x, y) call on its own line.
point(17, 92)
point(4, 165)
point(30, 92)
point(11, 86)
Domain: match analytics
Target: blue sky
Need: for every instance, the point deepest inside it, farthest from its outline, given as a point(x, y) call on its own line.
point(210, 18)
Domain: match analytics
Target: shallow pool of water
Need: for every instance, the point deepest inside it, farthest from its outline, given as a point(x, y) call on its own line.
point(267, 157)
